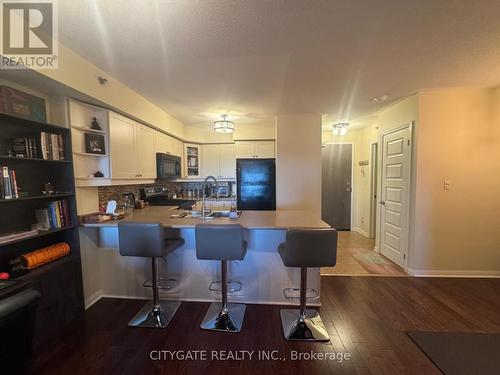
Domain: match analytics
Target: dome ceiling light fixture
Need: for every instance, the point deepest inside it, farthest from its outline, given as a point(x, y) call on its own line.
point(340, 128)
point(224, 125)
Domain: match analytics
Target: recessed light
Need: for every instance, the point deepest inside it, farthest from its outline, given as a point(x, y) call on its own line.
point(380, 99)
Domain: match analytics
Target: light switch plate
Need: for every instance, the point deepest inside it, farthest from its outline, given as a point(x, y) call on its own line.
point(447, 185)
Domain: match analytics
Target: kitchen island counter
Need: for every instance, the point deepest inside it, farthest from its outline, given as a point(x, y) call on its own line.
point(248, 219)
point(262, 273)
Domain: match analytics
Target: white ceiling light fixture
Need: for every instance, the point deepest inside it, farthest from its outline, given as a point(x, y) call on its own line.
point(340, 128)
point(224, 125)
point(380, 99)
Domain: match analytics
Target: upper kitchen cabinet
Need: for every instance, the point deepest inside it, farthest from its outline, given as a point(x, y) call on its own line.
point(132, 148)
point(123, 148)
point(192, 160)
point(227, 160)
point(162, 143)
point(167, 144)
point(219, 160)
point(146, 157)
point(255, 149)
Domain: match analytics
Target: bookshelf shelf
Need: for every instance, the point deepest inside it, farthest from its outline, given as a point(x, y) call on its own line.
point(37, 197)
point(41, 233)
point(90, 130)
point(6, 157)
point(87, 154)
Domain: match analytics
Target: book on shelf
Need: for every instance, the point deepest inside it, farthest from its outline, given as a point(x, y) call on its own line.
point(52, 146)
point(55, 216)
point(17, 236)
point(24, 147)
point(8, 184)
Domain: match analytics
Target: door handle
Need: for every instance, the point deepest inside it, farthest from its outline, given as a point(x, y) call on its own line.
point(382, 203)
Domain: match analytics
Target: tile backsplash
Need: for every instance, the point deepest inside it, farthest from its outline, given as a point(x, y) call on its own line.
point(107, 193)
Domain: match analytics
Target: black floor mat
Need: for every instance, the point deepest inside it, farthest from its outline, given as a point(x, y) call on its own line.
point(456, 353)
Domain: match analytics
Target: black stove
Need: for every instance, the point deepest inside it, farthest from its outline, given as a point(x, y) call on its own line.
point(158, 196)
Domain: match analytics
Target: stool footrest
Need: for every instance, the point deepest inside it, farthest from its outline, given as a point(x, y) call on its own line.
point(164, 283)
point(232, 286)
point(294, 294)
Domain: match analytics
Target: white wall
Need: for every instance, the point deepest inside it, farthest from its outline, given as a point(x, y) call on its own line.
point(298, 162)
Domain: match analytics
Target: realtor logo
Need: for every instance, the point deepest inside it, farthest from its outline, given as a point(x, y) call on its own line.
point(29, 34)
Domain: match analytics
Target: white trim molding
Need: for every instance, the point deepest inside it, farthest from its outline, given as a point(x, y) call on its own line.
point(453, 273)
point(360, 231)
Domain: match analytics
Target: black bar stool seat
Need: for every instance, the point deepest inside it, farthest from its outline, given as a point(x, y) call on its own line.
point(306, 248)
point(146, 240)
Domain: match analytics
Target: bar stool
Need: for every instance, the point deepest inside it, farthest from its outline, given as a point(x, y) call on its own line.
point(147, 240)
point(306, 248)
point(223, 243)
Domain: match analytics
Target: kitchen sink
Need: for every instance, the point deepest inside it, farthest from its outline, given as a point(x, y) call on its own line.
point(221, 214)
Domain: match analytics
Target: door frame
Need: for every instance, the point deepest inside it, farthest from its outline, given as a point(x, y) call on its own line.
point(374, 171)
point(411, 126)
point(351, 221)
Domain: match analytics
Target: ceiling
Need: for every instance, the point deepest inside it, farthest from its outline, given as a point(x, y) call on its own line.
point(255, 59)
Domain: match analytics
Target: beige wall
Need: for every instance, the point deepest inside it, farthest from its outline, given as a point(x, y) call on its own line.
point(255, 131)
point(79, 74)
point(298, 162)
point(459, 140)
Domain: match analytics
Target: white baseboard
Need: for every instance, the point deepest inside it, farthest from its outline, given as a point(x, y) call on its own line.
point(89, 301)
point(376, 249)
point(453, 273)
point(360, 231)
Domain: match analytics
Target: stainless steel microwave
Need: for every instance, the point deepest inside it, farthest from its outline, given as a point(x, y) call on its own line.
point(168, 167)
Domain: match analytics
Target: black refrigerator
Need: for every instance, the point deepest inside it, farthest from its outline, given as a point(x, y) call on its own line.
point(256, 184)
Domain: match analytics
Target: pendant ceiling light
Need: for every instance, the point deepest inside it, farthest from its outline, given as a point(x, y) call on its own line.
point(340, 128)
point(224, 125)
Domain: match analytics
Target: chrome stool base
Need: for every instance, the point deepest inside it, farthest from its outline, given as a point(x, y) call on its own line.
point(309, 329)
point(149, 317)
point(224, 320)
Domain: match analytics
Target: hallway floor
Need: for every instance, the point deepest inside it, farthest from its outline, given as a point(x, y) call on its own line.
point(355, 256)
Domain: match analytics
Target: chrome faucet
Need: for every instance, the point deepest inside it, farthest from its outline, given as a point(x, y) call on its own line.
point(203, 193)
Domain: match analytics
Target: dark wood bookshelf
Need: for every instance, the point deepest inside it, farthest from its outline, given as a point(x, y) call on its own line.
point(59, 282)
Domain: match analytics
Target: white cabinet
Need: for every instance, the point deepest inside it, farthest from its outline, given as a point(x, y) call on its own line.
point(177, 147)
point(145, 147)
point(192, 161)
point(264, 149)
point(219, 160)
point(161, 142)
point(168, 145)
point(211, 160)
point(122, 147)
point(255, 149)
point(245, 149)
point(132, 149)
point(227, 160)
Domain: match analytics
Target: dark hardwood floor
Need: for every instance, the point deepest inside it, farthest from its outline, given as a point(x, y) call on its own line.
point(365, 316)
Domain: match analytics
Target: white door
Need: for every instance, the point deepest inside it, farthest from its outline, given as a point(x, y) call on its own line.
point(227, 160)
point(395, 194)
point(245, 149)
point(145, 144)
point(211, 161)
point(122, 144)
point(264, 149)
